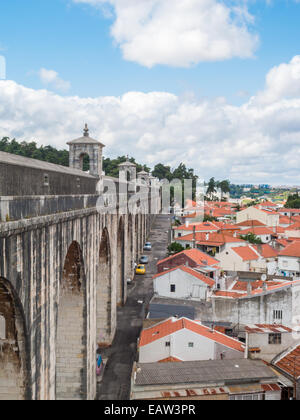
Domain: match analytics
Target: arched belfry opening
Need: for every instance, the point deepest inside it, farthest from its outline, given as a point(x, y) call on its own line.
point(71, 328)
point(14, 371)
point(104, 290)
point(121, 283)
point(86, 146)
point(84, 162)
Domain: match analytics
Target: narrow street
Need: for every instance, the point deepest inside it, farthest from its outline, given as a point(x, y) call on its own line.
point(121, 355)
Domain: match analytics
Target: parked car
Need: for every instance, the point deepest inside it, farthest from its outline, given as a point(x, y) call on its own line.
point(147, 246)
point(144, 259)
point(140, 269)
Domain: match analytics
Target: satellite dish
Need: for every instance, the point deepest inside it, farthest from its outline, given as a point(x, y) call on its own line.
point(263, 277)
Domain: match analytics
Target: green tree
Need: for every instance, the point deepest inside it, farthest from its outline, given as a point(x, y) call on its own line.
point(211, 188)
point(251, 238)
point(293, 202)
point(224, 187)
point(174, 248)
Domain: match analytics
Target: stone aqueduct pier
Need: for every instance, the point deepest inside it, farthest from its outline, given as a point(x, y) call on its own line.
point(67, 249)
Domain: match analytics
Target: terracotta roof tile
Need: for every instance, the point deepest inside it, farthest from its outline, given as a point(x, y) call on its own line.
point(170, 326)
point(246, 253)
point(199, 257)
point(290, 362)
point(292, 250)
point(190, 271)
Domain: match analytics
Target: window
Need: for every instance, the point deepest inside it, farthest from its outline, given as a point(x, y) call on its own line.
point(168, 343)
point(284, 263)
point(46, 180)
point(172, 288)
point(2, 328)
point(275, 338)
point(179, 234)
point(191, 345)
point(245, 397)
point(277, 315)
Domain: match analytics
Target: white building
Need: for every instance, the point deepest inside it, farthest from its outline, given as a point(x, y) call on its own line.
point(182, 283)
point(289, 260)
point(263, 233)
point(241, 258)
point(266, 305)
point(257, 258)
point(185, 340)
point(265, 341)
point(266, 216)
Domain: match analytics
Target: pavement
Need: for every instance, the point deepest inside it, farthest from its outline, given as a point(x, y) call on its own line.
point(123, 351)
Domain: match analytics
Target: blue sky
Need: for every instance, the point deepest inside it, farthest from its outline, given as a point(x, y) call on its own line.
point(89, 57)
point(75, 40)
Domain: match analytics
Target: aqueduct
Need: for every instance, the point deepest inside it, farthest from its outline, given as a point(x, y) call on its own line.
point(64, 265)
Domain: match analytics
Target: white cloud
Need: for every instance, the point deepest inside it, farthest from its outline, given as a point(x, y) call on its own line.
point(52, 79)
point(255, 142)
point(180, 32)
point(282, 81)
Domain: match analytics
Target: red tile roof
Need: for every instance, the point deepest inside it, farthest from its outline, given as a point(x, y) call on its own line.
point(170, 359)
point(262, 230)
point(268, 203)
point(284, 210)
point(294, 226)
point(199, 257)
point(265, 250)
point(284, 220)
point(223, 293)
point(170, 326)
point(267, 328)
point(213, 239)
point(205, 226)
point(253, 223)
point(257, 291)
point(242, 285)
point(246, 253)
point(290, 362)
point(292, 250)
point(190, 271)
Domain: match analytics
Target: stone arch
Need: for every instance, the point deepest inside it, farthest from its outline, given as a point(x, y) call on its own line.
point(71, 328)
point(121, 263)
point(103, 291)
point(84, 161)
point(14, 348)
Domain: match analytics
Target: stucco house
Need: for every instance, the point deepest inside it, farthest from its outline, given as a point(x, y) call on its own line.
point(289, 260)
point(184, 340)
point(182, 282)
point(266, 216)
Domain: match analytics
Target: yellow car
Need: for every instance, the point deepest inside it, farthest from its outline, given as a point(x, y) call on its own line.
point(140, 269)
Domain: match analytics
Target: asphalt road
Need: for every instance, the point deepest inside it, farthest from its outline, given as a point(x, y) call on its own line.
point(121, 355)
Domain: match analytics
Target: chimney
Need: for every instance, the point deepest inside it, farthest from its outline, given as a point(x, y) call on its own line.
point(249, 288)
point(207, 237)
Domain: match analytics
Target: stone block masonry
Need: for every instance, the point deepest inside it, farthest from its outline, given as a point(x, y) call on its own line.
point(58, 330)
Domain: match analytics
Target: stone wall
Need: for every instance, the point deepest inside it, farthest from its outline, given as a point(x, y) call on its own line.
point(34, 261)
point(17, 180)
